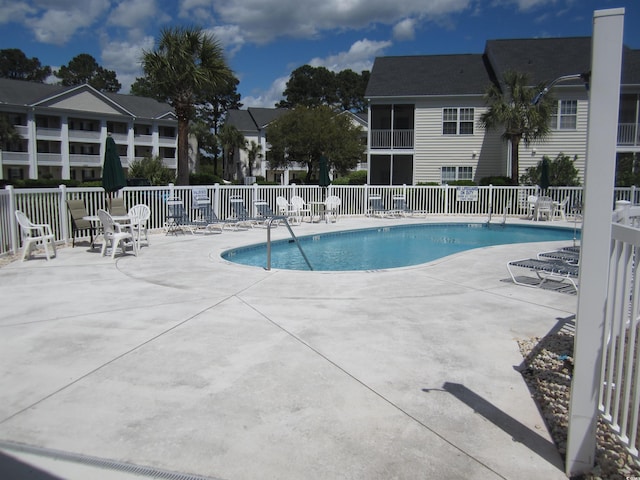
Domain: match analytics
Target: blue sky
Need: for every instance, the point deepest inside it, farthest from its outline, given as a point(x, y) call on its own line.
point(264, 40)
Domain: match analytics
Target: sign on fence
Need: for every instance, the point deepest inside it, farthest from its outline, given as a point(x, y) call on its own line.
point(467, 194)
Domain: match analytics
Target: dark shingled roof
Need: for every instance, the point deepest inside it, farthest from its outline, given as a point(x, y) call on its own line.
point(20, 92)
point(253, 119)
point(427, 75)
point(542, 59)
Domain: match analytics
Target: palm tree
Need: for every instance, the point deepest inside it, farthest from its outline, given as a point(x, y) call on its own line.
point(254, 152)
point(514, 111)
point(186, 63)
point(231, 139)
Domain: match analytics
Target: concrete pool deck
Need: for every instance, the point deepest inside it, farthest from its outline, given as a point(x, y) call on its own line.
point(178, 361)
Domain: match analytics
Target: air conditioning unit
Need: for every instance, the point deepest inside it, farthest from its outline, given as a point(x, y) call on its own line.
point(249, 180)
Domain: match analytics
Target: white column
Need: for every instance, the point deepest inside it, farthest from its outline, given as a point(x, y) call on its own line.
point(604, 98)
point(32, 144)
point(131, 148)
point(64, 147)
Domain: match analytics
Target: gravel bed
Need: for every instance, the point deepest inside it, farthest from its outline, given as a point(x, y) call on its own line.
point(547, 369)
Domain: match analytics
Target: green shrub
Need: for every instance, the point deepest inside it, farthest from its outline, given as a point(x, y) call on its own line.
point(562, 172)
point(204, 179)
point(498, 181)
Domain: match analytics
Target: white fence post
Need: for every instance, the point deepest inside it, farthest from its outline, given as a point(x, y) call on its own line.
point(14, 235)
point(64, 218)
point(604, 96)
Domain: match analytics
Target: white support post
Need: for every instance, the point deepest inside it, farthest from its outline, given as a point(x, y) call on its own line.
point(604, 98)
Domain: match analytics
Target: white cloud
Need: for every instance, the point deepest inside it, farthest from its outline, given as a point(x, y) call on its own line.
point(359, 57)
point(136, 14)
point(405, 29)
point(267, 98)
point(262, 21)
point(525, 5)
point(11, 11)
point(200, 9)
point(61, 20)
point(124, 58)
point(230, 36)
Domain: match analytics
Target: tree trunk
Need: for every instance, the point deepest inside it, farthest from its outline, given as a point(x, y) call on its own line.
point(515, 160)
point(182, 177)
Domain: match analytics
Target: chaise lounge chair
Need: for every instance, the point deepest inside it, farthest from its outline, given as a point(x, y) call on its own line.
point(241, 215)
point(377, 208)
point(572, 258)
point(545, 270)
point(401, 208)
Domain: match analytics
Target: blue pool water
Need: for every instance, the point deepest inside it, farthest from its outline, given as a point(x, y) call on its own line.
point(389, 247)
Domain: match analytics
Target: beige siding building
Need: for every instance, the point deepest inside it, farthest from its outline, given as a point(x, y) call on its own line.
point(424, 111)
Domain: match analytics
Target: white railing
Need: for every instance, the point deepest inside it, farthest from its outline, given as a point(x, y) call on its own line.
point(628, 134)
point(48, 205)
point(396, 138)
point(619, 397)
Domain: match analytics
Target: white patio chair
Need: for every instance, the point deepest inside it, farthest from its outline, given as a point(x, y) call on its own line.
point(332, 205)
point(544, 208)
point(560, 209)
point(301, 209)
point(115, 235)
point(288, 210)
point(139, 219)
point(34, 235)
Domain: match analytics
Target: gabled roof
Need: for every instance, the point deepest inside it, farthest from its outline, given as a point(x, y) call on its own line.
point(428, 75)
point(25, 94)
point(542, 59)
point(253, 119)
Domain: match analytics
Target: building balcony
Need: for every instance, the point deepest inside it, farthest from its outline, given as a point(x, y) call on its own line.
point(629, 134)
point(77, 160)
point(15, 158)
point(22, 130)
point(48, 133)
point(392, 139)
point(49, 158)
point(83, 135)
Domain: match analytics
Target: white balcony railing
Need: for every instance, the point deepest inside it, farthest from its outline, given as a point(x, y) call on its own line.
point(400, 139)
point(48, 133)
point(629, 134)
point(84, 135)
point(78, 160)
point(49, 158)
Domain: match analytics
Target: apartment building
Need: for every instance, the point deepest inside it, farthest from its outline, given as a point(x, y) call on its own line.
point(63, 130)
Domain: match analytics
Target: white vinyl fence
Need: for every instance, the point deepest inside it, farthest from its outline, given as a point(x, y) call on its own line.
point(620, 373)
point(48, 205)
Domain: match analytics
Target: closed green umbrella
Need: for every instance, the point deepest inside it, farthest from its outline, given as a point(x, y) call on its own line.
point(544, 174)
point(324, 180)
point(112, 172)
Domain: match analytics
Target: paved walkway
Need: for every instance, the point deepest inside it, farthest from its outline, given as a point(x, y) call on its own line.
point(177, 361)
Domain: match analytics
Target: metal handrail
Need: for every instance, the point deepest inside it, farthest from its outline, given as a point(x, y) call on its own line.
point(268, 223)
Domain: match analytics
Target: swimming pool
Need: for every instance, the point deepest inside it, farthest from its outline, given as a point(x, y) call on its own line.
point(389, 247)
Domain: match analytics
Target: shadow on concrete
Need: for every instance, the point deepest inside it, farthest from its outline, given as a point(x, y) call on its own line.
point(12, 468)
point(519, 432)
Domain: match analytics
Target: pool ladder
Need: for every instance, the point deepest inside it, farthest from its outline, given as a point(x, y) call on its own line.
point(269, 222)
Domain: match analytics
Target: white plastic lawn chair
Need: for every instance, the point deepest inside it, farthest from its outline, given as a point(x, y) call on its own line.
point(331, 207)
point(288, 210)
point(140, 215)
point(300, 208)
point(115, 236)
point(35, 234)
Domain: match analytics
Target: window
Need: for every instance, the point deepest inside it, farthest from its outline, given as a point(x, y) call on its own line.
point(451, 174)
point(457, 121)
point(565, 115)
